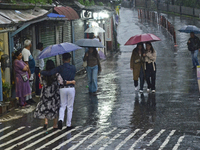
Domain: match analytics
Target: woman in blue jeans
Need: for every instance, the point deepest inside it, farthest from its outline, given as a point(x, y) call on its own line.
point(93, 68)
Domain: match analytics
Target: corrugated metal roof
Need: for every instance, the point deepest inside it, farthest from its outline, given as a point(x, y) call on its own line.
point(18, 16)
point(69, 12)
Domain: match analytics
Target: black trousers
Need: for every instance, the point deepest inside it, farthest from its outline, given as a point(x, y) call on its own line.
point(37, 80)
point(150, 75)
point(141, 79)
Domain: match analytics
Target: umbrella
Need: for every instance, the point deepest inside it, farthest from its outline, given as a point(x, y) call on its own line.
point(147, 37)
point(189, 29)
point(94, 30)
point(58, 49)
point(89, 43)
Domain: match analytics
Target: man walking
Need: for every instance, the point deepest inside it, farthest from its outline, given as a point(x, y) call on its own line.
point(67, 92)
point(39, 66)
point(194, 46)
point(29, 60)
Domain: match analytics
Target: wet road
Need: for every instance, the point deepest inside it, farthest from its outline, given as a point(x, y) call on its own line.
point(119, 117)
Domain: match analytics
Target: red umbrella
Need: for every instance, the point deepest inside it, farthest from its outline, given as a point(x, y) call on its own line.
point(147, 37)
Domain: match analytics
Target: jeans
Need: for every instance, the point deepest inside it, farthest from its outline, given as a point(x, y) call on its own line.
point(150, 75)
point(37, 80)
point(92, 73)
point(141, 79)
point(195, 61)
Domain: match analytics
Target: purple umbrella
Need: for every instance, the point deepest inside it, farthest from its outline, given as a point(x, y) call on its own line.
point(58, 49)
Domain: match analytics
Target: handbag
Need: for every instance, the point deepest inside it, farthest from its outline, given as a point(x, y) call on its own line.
point(84, 64)
point(24, 77)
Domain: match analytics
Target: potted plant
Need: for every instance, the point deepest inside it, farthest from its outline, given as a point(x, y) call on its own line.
point(6, 91)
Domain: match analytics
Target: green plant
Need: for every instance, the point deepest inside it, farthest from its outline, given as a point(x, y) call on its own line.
point(101, 4)
point(6, 90)
point(81, 2)
point(87, 3)
point(92, 3)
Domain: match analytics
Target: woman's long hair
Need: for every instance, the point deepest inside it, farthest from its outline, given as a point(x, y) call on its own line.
point(94, 53)
point(152, 49)
point(49, 66)
point(142, 50)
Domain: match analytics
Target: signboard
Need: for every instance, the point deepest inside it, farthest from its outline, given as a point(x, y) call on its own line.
point(85, 14)
point(108, 30)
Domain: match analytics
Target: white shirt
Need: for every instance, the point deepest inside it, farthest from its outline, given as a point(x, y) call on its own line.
point(25, 54)
point(38, 62)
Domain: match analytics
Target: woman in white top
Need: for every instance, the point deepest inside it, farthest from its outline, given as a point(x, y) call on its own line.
point(150, 67)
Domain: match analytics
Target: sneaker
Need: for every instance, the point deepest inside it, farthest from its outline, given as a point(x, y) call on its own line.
point(70, 127)
point(148, 90)
point(60, 124)
point(136, 88)
point(153, 91)
point(141, 91)
point(37, 96)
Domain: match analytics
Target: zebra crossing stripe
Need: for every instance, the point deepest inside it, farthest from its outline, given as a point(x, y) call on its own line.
point(167, 140)
point(12, 132)
point(126, 139)
point(113, 139)
point(77, 135)
point(30, 138)
point(41, 139)
point(178, 143)
point(142, 137)
point(156, 137)
point(19, 137)
point(84, 139)
point(99, 139)
point(57, 138)
point(5, 128)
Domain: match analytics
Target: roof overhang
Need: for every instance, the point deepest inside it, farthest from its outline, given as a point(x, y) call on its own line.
point(69, 12)
point(16, 17)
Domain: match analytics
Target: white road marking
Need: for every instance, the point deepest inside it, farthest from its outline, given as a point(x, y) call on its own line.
point(167, 140)
point(57, 138)
point(5, 128)
point(145, 134)
point(23, 135)
point(113, 139)
point(156, 137)
point(12, 132)
point(84, 139)
point(30, 138)
point(77, 135)
point(178, 143)
point(99, 139)
point(126, 139)
point(41, 139)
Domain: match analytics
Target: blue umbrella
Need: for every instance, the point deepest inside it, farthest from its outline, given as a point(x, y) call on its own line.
point(189, 29)
point(58, 49)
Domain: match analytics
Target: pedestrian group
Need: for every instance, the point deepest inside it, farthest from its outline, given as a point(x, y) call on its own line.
point(143, 64)
point(54, 85)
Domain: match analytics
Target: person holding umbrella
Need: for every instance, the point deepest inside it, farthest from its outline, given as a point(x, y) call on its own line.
point(137, 65)
point(194, 46)
point(150, 67)
point(93, 68)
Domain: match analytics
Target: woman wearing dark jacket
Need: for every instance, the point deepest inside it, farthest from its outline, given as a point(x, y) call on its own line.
point(137, 65)
point(93, 68)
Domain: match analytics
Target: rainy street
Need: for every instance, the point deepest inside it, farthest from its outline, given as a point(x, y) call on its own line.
point(119, 117)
